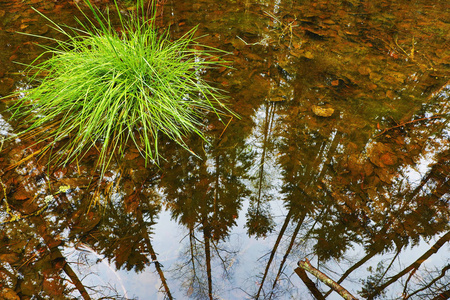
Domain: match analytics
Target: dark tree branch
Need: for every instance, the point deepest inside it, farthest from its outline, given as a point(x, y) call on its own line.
point(443, 271)
point(414, 266)
point(443, 296)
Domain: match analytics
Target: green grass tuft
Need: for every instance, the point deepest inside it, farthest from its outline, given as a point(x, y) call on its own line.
point(103, 87)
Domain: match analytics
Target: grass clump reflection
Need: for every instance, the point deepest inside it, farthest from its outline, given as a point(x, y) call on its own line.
point(119, 86)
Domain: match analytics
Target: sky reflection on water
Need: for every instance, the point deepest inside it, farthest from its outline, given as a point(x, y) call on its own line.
point(363, 193)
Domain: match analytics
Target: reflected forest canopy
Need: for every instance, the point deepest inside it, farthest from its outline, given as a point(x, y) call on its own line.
point(317, 165)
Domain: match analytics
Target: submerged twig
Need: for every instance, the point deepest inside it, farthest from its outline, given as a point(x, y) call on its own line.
point(407, 123)
point(226, 127)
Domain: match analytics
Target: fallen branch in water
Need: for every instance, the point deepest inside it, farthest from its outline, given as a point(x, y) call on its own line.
point(309, 283)
point(306, 265)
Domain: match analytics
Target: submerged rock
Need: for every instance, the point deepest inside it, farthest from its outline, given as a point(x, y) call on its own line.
point(322, 111)
point(8, 294)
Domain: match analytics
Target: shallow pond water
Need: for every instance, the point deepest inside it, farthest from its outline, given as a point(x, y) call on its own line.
point(340, 156)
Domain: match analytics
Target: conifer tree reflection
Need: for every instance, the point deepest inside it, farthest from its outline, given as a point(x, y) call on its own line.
point(205, 196)
point(299, 176)
point(124, 235)
point(259, 216)
point(31, 261)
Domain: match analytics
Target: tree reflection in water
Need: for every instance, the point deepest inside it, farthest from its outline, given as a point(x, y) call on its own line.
point(363, 194)
point(206, 198)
